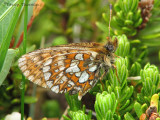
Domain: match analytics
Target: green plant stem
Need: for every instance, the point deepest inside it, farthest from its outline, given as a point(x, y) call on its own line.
point(32, 108)
point(24, 51)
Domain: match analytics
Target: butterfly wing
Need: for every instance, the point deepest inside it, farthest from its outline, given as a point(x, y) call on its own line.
point(61, 69)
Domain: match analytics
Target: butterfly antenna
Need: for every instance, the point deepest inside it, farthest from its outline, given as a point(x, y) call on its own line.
point(108, 38)
point(116, 72)
point(110, 18)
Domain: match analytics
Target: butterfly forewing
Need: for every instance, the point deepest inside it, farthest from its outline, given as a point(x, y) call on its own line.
point(62, 69)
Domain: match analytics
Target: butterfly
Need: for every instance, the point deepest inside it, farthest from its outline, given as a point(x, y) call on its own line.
point(73, 68)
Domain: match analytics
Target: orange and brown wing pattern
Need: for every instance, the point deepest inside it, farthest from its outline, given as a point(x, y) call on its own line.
point(62, 69)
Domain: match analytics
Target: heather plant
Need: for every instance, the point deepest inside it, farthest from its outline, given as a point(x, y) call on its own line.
point(130, 91)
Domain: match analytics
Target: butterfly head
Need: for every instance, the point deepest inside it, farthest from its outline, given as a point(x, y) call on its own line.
point(111, 46)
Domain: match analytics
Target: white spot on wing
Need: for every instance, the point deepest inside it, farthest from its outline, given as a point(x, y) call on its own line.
point(73, 69)
point(34, 53)
point(60, 63)
point(21, 59)
point(90, 64)
point(61, 81)
point(36, 58)
point(93, 56)
point(84, 77)
point(71, 83)
point(78, 74)
point(26, 73)
point(64, 79)
point(47, 75)
point(37, 81)
point(60, 74)
point(77, 88)
point(31, 77)
point(61, 78)
point(93, 68)
point(23, 68)
point(39, 63)
point(22, 63)
point(61, 68)
point(79, 57)
point(46, 68)
point(49, 61)
point(61, 57)
point(56, 70)
point(74, 62)
point(55, 88)
point(91, 82)
point(49, 83)
point(61, 91)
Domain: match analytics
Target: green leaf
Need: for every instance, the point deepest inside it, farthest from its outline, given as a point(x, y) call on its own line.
point(73, 102)
point(102, 26)
point(150, 79)
point(159, 55)
point(128, 22)
point(127, 94)
point(9, 28)
point(127, 18)
point(144, 108)
point(78, 14)
point(6, 13)
point(128, 116)
point(61, 40)
point(105, 105)
point(29, 99)
point(127, 103)
point(135, 69)
point(71, 3)
point(51, 109)
point(123, 46)
point(79, 115)
point(7, 63)
point(138, 110)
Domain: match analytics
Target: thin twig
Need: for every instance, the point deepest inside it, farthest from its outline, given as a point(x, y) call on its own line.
point(134, 78)
point(65, 113)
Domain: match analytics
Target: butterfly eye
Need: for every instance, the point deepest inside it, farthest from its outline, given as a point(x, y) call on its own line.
point(110, 48)
point(108, 55)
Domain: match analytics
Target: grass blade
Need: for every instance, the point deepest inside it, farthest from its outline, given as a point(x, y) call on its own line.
point(24, 51)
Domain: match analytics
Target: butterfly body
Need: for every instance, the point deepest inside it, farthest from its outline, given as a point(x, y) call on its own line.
point(73, 68)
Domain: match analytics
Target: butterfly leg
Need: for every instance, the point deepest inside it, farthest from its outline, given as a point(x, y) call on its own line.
point(116, 72)
point(102, 78)
point(116, 55)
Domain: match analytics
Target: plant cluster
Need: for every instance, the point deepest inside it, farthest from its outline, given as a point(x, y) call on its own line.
point(129, 92)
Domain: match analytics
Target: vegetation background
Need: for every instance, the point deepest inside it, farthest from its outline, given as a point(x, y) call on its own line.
point(135, 23)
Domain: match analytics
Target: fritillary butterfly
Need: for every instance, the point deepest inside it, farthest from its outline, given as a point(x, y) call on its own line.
point(73, 68)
